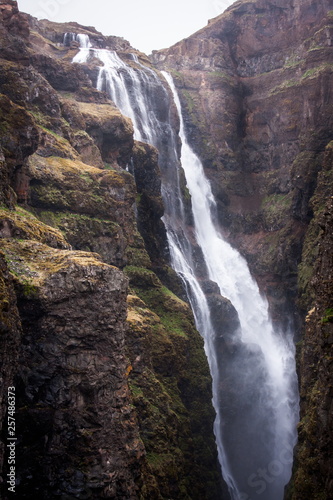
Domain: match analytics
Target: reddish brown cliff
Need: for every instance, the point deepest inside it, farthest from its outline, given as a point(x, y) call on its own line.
point(256, 88)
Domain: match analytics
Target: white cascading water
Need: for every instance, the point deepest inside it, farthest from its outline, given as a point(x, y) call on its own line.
point(254, 378)
point(83, 40)
point(230, 271)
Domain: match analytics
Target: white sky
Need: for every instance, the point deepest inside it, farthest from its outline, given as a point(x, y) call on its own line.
point(146, 24)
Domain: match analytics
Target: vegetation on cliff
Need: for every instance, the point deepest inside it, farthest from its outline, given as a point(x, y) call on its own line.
point(113, 392)
point(113, 385)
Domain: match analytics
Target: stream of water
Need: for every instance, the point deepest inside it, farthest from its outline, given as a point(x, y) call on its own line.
point(253, 369)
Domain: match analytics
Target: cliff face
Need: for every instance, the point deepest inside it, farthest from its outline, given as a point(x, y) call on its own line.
point(112, 386)
point(113, 391)
point(255, 85)
point(256, 88)
point(313, 476)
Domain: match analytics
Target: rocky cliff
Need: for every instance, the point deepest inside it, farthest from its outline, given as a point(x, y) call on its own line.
point(255, 84)
point(112, 387)
point(256, 87)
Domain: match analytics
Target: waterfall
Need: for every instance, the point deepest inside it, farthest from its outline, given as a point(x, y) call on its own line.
point(84, 41)
point(253, 368)
point(270, 356)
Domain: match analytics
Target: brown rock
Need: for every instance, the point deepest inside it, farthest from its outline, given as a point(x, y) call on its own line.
point(255, 89)
point(10, 338)
point(75, 404)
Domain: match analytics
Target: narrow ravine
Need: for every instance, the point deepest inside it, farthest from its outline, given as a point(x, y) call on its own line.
point(253, 368)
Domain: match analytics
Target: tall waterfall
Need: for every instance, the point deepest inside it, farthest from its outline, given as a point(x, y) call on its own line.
point(253, 369)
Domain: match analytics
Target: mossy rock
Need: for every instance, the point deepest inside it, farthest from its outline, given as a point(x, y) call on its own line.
point(19, 136)
point(91, 234)
point(138, 257)
point(71, 112)
point(11, 82)
point(315, 231)
point(169, 380)
point(275, 210)
point(21, 224)
point(9, 317)
point(112, 132)
point(63, 184)
point(53, 144)
point(32, 263)
point(142, 277)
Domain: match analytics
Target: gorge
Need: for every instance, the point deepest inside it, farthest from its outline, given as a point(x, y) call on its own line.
point(100, 168)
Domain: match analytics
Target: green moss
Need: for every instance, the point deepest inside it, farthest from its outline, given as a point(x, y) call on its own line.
point(179, 77)
point(160, 461)
point(24, 225)
point(30, 291)
point(142, 278)
point(190, 104)
point(328, 316)
point(307, 167)
point(168, 390)
point(308, 467)
point(137, 257)
point(187, 194)
point(172, 311)
point(135, 390)
point(285, 85)
point(6, 301)
point(275, 209)
point(108, 166)
point(174, 324)
point(297, 82)
point(293, 61)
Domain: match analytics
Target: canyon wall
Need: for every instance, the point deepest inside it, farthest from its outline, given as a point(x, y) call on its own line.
point(256, 88)
point(112, 386)
point(113, 390)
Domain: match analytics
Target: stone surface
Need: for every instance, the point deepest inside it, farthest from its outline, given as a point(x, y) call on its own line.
point(73, 348)
point(255, 89)
point(313, 471)
point(255, 86)
point(76, 423)
point(10, 339)
point(166, 352)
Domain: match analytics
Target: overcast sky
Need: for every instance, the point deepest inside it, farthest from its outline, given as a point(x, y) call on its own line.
point(146, 24)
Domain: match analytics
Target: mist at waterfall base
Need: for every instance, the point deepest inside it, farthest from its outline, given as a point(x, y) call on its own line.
point(252, 365)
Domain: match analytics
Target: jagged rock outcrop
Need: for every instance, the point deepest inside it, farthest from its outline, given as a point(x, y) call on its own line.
point(74, 419)
point(113, 391)
point(167, 389)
